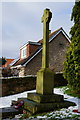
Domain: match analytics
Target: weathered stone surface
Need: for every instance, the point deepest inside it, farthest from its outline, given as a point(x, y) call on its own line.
point(45, 98)
point(45, 81)
point(35, 107)
point(45, 51)
point(45, 76)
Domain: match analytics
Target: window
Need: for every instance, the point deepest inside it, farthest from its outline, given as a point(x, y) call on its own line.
point(23, 53)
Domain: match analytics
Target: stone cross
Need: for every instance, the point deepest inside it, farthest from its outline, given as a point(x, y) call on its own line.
point(44, 84)
point(45, 52)
point(44, 99)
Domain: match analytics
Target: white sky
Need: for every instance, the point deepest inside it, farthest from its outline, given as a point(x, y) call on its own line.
point(38, 0)
point(21, 22)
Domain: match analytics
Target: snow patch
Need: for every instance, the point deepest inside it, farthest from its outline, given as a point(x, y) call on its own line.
point(6, 101)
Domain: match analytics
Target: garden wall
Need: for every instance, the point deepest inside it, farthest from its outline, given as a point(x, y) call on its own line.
point(17, 85)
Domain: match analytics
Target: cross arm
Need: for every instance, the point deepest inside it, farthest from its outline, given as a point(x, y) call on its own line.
point(46, 16)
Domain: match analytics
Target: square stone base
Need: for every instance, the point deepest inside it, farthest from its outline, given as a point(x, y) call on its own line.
point(36, 103)
point(39, 98)
point(32, 107)
point(45, 81)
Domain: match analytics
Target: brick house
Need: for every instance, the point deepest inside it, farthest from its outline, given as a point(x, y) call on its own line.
point(30, 54)
point(8, 61)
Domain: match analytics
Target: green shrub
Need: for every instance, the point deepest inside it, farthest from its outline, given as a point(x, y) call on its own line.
point(72, 63)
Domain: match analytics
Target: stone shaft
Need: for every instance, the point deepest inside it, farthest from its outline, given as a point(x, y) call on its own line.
point(45, 76)
point(45, 51)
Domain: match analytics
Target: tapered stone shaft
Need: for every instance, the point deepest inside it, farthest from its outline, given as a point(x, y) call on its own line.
point(44, 84)
point(45, 51)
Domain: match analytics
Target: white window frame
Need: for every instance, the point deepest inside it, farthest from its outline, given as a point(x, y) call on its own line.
point(23, 53)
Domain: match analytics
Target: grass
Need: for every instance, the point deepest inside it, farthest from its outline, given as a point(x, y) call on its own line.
point(71, 92)
point(57, 116)
point(60, 114)
point(60, 86)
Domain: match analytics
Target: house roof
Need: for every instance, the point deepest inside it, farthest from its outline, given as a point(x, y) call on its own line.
point(24, 62)
point(30, 42)
point(51, 34)
point(8, 61)
point(14, 61)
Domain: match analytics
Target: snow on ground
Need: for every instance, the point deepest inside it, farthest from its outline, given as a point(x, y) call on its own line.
point(68, 98)
point(6, 102)
point(62, 113)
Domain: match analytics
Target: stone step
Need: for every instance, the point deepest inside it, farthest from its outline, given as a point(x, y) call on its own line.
point(45, 98)
point(33, 107)
point(9, 112)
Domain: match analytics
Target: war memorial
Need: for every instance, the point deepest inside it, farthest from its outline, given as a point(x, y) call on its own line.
point(44, 99)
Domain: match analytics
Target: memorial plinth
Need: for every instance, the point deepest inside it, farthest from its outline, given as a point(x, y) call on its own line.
point(44, 99)
point(45, 81)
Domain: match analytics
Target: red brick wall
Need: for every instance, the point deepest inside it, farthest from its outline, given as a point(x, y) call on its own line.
point(30, 48)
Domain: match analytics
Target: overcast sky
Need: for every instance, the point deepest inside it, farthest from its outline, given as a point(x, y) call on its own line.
point(21, 22)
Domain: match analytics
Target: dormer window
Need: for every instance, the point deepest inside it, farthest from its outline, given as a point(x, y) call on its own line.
point(23, 53)
point(29, 48)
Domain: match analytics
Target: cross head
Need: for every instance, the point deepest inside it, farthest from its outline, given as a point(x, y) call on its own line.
point(46, 16)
